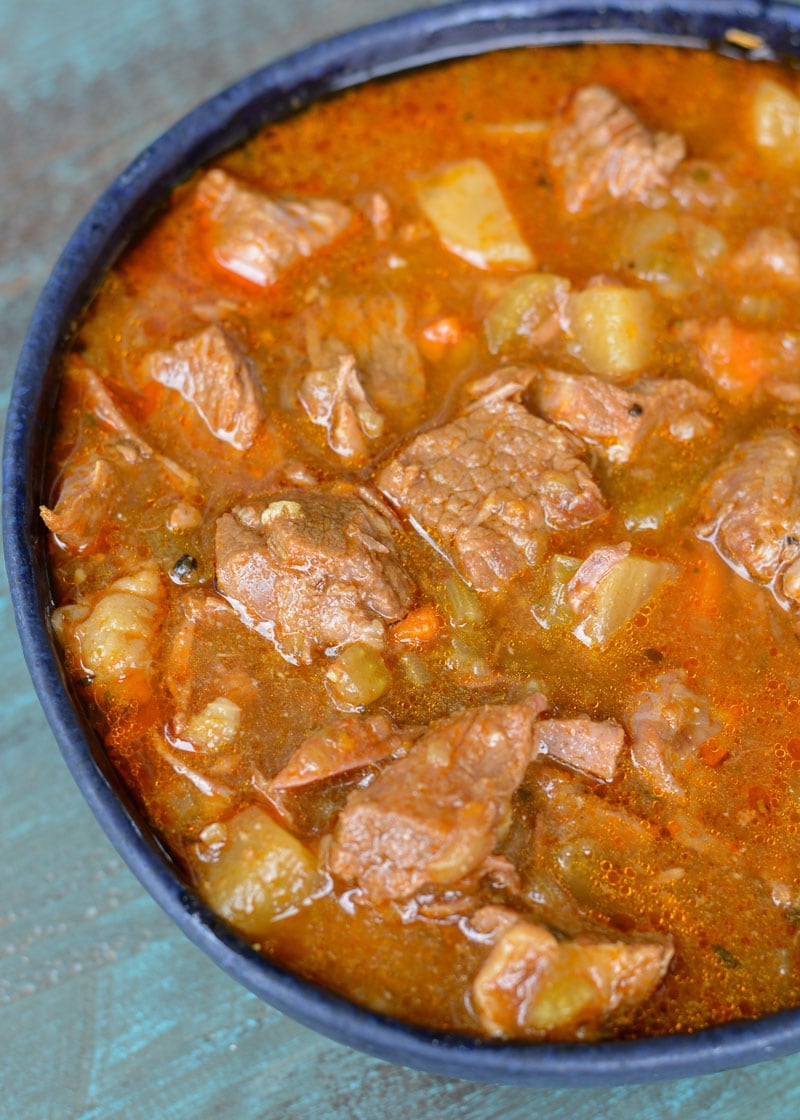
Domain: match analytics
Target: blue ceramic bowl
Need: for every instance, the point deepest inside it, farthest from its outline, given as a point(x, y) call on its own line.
point(224, 121)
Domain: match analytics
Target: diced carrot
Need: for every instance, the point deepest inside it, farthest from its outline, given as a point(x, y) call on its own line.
point(713, 753)
point(735, 358)
point(418, 627)
point(440, 336)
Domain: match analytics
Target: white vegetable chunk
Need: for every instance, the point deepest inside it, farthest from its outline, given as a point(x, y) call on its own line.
point(776, 121)
point(612, 329)
point(260, 873)
point(470, 215)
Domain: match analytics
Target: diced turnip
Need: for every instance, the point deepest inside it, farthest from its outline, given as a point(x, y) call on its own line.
point(470, 215)
point(776, 121)
point(260, 873)
point(612, 329)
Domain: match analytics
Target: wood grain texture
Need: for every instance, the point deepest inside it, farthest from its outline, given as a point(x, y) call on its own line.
point(106, 1011)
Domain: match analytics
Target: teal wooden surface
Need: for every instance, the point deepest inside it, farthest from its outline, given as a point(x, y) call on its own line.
point(106, 1011)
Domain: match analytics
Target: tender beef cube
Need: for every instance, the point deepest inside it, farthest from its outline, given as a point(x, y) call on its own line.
point(334, 397)
point(600, 150)
point(348, 744)
point(532, 985)
point(80, 513)
point(313, 570)
point(702, 185)
point(434, 816)
point(375, 331)
point(769, 254)
point(591, 746)
point(210, 372)
point(666, 724)
point(490, 485)
point(257, 237)
point(751, 512)
point(616, 420)
point(99, 468)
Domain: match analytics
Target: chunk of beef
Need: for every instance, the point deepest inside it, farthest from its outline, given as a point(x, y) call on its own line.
point(532, 985)
point(751, 512)
point(600, 150)
point(334, 397)
point(490, 486)
point(313, 570)
point(375, 331)
point(616, 420)
point(591, 746)
point(257, 237)
point(79, 515)
point(210, 372)
point(666, 724)
point(769, 254)
point(95, 474)
point(434, 816)
point(338, 748)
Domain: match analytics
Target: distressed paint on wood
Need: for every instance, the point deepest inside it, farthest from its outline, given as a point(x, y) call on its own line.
point(106, 1011)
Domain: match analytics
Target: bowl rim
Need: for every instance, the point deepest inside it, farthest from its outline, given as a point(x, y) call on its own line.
point(390, 46)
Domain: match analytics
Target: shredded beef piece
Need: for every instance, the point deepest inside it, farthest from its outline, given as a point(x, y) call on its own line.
point(338, 748)
point(616, 420)
point(532, 985)
point(334, 397)
point(375, 331)
point(257, 237)
point(588, 745)
point(80, 513)
point(600, 150)
point(490, 486)
point(313, 570)
point(434, 816)
point(210, 372)
point(751, 512)
point(92, 483)
point(666, 724)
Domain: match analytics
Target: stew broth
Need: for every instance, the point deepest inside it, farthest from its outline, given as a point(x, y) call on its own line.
point(606, 284)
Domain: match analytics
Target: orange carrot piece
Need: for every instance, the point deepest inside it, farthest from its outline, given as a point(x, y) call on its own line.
point(418, 627)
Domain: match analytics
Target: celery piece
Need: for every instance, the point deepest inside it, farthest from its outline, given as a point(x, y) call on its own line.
point(551, 610)
point(470, 215)
point(414, 669)
point(357, 676)
point(460, 603)
point(525, 309)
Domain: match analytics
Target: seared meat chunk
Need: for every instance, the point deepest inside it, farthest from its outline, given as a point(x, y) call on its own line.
point(666, 724)
point(312, 570)
point(591, 746)
point(210, 372)
point(338, 748)
point(375, 331)
point(257, 237)
point(490, 486)
point(334, 397)
point(434, 816)
point(532, 985)
point(616, 420)
point(751, 512)
point(79, 515)
point(92, 482)
point(600, 151)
